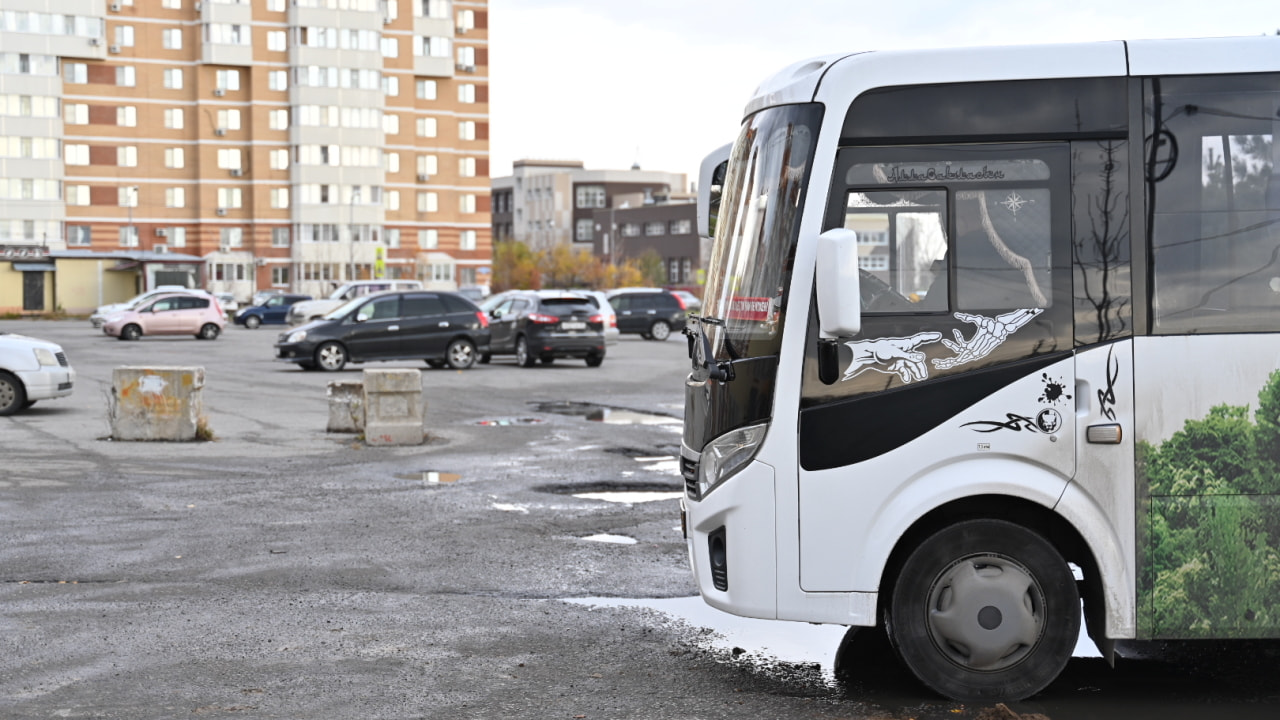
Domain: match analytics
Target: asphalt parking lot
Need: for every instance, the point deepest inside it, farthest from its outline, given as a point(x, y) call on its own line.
point(524, 562)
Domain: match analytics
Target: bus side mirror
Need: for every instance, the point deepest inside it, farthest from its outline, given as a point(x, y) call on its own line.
point(710, 183)
point(839, 297)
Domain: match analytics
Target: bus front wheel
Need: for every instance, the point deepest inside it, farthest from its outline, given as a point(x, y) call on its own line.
point(985, 611)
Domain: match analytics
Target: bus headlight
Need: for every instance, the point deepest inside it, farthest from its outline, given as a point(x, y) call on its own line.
point(727, 454)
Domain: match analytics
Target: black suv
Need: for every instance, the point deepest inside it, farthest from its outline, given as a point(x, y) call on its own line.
point(545, 325)
point(439, 327)
point(651, 314)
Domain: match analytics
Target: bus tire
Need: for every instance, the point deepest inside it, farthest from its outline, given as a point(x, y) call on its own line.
point(985, 611)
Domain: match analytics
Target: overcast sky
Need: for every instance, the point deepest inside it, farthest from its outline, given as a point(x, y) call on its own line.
point(663, 82)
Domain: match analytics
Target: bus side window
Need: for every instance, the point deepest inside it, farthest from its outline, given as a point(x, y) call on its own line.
point(902, 249)
point(1003, 249)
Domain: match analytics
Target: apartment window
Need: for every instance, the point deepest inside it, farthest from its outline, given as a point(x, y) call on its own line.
point(280, 237)
point(127, 116)
point(77, 195)
point(278, 119)
point(278, 80)
point(171, 39)
point(174, 158)
point(171, 4)
point(177, 237)
point(278, 159)
point(228, 34)
point(583, 229)
point(467, 203)
point(127, 156)
point(391, 85)
point(426, 89)
point(128, 236)
point(79, 236)
point(467, 240)
point(174, 118)
point(280, 275)
point(173, 78)
point(589, 196)
point(126, 76)
point(466, 93)
point(685, 226)
point(630, 230)
point(229, 159)
point(653, 229)
point(232, 237)
point(390, 47)
point(276, 41)
point(124, 35)
point(391, 161)
point(467, 130)
point(467, 167)
point(75, 73)
point(428, 165)
point(75, 114)
point(229, 197)
point(76, 154)
point(428, 202)
point(229, 119)
point(227, 79)
point(440, 47)
point(466, 20)
point(175, 197)
point(467, 56)
point(127, 196)
point(280, 198)
point(426, 127)
point(428, 239)
point(391, 200)
point(391, 124)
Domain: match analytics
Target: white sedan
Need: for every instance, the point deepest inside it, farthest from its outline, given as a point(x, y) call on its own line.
point(31, 370)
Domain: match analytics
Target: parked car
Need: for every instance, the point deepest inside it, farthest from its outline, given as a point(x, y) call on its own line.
point(185, 314)
point(309, 310)
point(31, 370)
point(692, 304)
point(441, 328)
point(651, 313)
point(228, 303)
point(544, 325)
point(600, 299)
point(273, 310)
point(100, 315)
point(261, 296)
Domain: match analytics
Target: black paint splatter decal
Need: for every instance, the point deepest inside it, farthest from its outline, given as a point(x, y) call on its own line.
point(1054, 390)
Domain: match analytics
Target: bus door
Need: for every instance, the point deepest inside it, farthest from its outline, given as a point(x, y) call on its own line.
point(1207, 375)
point(962, 379)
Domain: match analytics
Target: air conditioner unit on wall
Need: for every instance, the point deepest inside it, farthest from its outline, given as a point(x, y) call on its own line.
point(115, 7)
point(466, 68)
point(222, 211)
point(160, 248)
point(219, 92)
point(260, 262)
point(219, 131)
point(423, 177)
point(162, 232)
point(236, 172)
point(95, 42)
point(199, 6)
point(114, 49)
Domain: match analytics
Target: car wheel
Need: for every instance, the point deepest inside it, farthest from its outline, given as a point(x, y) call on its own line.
point(13, 396)
point(659, 330)
point(461, 354)
point(523, 358)
point(130, 332)
point(595, 359)
point(331, 357)
point(208, 332)
point(252, 322)
point(985, 611)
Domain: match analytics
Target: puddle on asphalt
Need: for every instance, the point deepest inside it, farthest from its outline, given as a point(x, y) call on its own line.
point(503, 422)
point(430, 477)
point(765, 641)
point(612, 539)
point(629, 498)
point(606, 414)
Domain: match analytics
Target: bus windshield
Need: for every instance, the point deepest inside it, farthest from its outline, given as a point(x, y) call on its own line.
point(751, 262)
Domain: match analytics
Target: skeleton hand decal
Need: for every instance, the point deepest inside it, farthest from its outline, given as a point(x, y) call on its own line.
point(894, 356)
point(989, 335)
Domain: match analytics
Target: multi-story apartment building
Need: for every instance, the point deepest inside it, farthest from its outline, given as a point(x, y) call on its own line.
point(544, 203)
point(288, 144)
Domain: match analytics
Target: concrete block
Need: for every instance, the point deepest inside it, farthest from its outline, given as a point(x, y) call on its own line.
point(393, 407)
point(156, 403)
point(346, 406)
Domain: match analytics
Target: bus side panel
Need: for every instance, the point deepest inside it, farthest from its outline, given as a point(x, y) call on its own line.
point(1208, 464)
point(1006, 444)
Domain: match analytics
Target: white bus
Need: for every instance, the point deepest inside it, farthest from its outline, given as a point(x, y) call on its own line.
point(990, 333)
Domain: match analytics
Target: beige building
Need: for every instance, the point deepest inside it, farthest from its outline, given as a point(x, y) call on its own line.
point(290, 144)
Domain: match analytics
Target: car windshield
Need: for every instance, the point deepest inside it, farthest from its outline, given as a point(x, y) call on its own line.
point(756, 230)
